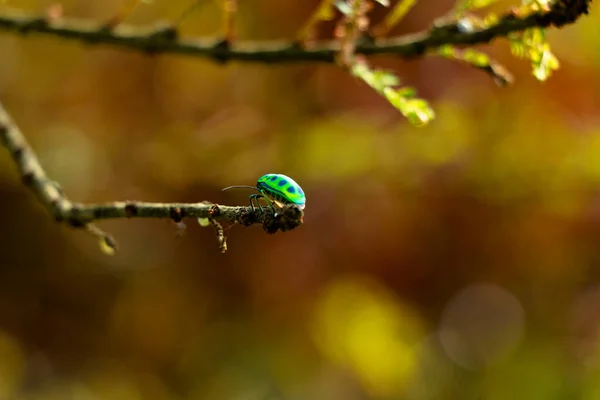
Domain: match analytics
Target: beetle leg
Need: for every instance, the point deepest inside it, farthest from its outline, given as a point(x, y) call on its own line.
point(269, 202)
point(254, 198)
point(260, 196)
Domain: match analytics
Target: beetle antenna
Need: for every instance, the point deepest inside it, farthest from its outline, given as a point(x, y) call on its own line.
point(240, 186)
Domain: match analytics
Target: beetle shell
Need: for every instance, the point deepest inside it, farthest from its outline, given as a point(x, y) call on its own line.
point(282, 189)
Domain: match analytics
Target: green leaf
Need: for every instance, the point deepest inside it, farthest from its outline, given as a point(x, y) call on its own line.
point(407, 92)
point(543, 69)
point(377, 79)
point(416, 110)
point(385, 78)
point(473, 57)
point(394, 98)
point(476, 58)
point(446, 51)
point(532, 44)
point(517, 48)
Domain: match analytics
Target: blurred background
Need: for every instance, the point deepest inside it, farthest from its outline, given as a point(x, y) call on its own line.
point(458, 261)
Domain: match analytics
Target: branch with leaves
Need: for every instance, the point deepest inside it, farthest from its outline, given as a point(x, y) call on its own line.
point(83, 216)
point(354, 39)
point(523, 26)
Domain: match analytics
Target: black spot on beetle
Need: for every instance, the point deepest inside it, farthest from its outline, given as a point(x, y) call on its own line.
point(282, 182)
point(291, 190)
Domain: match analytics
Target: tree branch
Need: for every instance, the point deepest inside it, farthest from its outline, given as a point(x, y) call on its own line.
point(79, 215)
point(165, 39)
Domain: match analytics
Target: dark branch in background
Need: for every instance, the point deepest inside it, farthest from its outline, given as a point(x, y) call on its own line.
point(165, 39)
point(79, 215)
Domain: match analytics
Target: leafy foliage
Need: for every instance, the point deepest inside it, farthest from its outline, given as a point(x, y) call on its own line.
point(416, 110)
point(479, 60)
point(532, 45)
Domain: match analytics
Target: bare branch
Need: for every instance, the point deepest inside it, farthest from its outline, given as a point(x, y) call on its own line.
point(79, 215)
point(32, 174)
point(164, 39)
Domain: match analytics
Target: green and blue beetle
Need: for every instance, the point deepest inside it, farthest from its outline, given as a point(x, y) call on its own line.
point(275, 188)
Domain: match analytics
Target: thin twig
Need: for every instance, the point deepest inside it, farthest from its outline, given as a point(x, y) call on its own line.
point(80, 215)
point(498, 72)
point(221, 238)
point(33, 175)
point(481, 61)
point(163, 39)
